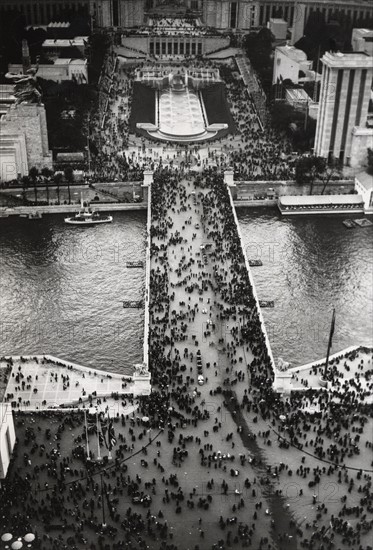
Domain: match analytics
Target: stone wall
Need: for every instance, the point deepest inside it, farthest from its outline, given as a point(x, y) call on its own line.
point(7, 438)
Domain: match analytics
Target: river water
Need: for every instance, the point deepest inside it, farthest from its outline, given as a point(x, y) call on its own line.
point(310, 265)
point(62, 287)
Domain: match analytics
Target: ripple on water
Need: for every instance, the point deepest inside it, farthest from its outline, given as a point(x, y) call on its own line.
point(310, 265)
point(62, 290)
point(62, 287)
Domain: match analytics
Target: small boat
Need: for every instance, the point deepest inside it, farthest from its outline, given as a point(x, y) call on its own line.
point(349, 224)
point(88, 216)
point(35, 216)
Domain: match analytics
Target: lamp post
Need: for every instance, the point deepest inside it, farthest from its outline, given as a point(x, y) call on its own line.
point(16, 543)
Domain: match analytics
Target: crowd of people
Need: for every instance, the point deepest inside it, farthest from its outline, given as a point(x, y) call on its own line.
point(270, 155)
point(197, 466)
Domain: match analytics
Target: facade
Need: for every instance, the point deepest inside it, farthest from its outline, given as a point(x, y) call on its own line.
point(60, 70)
point(23, 141)
point(7, 438)
point(361, 141)
point(221, 14)
point(344, 99)
point(55, 48)
point(364, 187)
point(362, 41)
point(278, 28)
point(290, 63)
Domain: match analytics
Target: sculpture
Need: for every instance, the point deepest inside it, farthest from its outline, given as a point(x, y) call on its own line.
point(282, 365)
point(25, 86)
point(141, 369)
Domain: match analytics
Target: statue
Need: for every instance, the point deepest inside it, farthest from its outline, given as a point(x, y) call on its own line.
point(141, 369)
point(282, 365)
point(26, 88)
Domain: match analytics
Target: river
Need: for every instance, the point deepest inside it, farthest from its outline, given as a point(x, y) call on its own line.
point(62, 287)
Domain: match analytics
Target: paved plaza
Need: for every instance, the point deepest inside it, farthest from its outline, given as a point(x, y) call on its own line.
point(40, 384)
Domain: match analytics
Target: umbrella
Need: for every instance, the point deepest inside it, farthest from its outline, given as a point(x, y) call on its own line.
point(145, 419)
point(29, 537)
point(6, 536)
point(282, 417)
point(17, 544)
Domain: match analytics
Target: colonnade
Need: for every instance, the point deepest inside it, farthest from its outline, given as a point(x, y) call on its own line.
point(176, 45)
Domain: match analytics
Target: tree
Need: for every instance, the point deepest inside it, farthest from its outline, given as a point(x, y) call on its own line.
point(34, 173)
point(259, 50)
point(57, 178)
point(25, 185)
point(308, 168)
point(332, 169)
point(69, 177)
point(370, 162)
point(46, 173)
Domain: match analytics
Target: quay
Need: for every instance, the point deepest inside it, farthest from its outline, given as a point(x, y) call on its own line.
point(44, 382)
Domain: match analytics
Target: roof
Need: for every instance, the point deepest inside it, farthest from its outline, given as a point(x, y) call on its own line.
point(293, 53)
point(366, 32)
point(353, 60)
point(311, 200)
point(277, 20)
point(365, 179)
point(58, 25)
point(298, 94)
point(64, 42)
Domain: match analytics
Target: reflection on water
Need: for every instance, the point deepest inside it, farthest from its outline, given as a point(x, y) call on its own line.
point(310, 265)
point(62, 289)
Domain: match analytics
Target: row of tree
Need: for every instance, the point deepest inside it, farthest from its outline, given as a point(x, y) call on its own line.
point(309, 169)
point(48, 178)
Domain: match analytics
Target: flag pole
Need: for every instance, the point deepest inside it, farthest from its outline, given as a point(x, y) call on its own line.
point(329, 345)
point(86, 433)
point(103, 503)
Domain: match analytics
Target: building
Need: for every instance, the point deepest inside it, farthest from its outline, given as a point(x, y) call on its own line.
point(56, 47)
point(278, 28)
point(362, 41)
point(320, 204)
point(299, 99)
point(364, 187)
point(344, 99)
point(23, 141)
point(221, 14)
point(7, 438)
point(362, 140)
point(291, 63)
point(60, 70)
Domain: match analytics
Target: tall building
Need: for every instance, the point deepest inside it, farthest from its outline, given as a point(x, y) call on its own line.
point(346, 84)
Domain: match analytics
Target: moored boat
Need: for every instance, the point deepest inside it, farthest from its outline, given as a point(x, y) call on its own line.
point(88, 216)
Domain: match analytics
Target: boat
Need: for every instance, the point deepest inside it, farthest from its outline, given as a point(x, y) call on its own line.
point(88, 216)
point(35, 216)
point(349, 224)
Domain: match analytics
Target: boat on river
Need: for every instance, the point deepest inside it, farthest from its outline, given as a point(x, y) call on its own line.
point(88, 216)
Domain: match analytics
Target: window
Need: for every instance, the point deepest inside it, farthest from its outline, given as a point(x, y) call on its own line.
point(233, 23)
